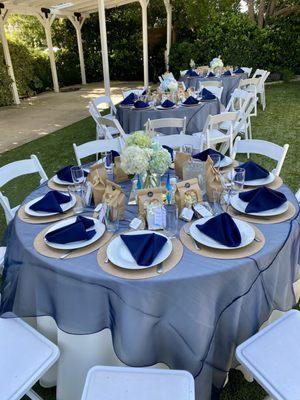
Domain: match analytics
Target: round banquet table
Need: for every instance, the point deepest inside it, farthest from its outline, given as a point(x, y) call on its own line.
point(229, 84)
point(134, 119)
point(190, 318)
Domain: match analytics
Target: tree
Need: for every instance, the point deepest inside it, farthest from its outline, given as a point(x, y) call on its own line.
point(262, 11)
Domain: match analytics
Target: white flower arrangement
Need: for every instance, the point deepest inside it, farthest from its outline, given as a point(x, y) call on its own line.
point(134, 160)
point(169, 84)
point(216, 63)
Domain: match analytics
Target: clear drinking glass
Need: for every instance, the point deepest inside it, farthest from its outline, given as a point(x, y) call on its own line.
point(218, 202)
point(238, 180)
point(77, 174)
point(78, 190)
point(171, 219)
point(111, 218)
point(109, 162)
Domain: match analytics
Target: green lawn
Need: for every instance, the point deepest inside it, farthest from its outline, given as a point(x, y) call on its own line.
point(279, 123)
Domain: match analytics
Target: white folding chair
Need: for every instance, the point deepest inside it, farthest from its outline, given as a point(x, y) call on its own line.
point(153, 124)
point(212, 135)
point(96, 147)
point(112, 128)
point(260, 73)
point(247, 70)
point(262, 147)
point(251, 85)
point(177, 141)
point(96, 115)
point(216, 90)
point(138, 383)
point(272, 356)
point(106, 100)
point(13, 170)
point(2, 255)
point(182, 73)
point(25, 356)
point(210, 84)
point(137, 92)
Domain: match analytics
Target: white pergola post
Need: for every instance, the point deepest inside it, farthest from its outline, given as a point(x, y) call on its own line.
point(47, 21)
point(77, 23)
point(169, 31)
point(144, 5)
point(104, 50)
point(8, 62)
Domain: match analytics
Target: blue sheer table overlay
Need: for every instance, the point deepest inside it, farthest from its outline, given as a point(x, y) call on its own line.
point(141, 104)
point(223, 229)
point(74, 232)
point(167, 104)
point(190, 101)
point(207, 95)
point(129, 100)
point(191, 317)
point(262, 199)
point(51, 202)
point(208, 152)
point(254, 171)
point(144, 248)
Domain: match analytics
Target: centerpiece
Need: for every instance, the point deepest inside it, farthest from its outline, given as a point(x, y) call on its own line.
point(143, 157)
point(216, 65)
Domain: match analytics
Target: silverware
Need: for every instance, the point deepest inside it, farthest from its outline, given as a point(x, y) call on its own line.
point(159, 268)
point(257, 239)
point(187, 231)
point(65, 255)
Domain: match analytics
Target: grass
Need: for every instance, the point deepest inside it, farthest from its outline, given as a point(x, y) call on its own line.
point(279, 124)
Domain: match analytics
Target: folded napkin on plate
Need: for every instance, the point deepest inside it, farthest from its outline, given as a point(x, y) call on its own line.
point(167, 104)
point(227, 73)
point(207, 95)
point(254, 171)
point(64, 174)
point(222, 229)
point(129, 100)
point(114, 154)
point(211, 74)
point(170, 150)
point(141, 104)
point(51, 202)
point(72, 233)
point(144, 92)
point(191, 100)
point(239, 71)
point(262, 199)
point(208, 152)
point(191, 73)
point(144, 248)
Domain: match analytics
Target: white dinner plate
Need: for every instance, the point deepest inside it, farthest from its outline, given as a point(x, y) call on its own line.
point(64, 207)
point(241, 205)
point(246, 231)
point(261, 182)
point(61, 182)
point(160, 107)
point(118, 253)
point(99, 227)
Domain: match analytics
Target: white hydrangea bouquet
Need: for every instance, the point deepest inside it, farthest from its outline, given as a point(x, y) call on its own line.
point(145, 158)
point(216, 64)
point(169, 84)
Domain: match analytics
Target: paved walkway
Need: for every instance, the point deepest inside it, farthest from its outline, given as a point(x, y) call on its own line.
point(37, 116)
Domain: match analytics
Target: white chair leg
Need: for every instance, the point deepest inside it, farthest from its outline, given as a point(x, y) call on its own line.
point(248, 377)
point(33, 396)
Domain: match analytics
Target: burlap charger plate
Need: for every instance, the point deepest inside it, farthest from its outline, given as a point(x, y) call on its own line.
point(167, 265)
point(41, 247)
point(54, 186)
point(43, 220)
point(276, 219)
point(205, 251)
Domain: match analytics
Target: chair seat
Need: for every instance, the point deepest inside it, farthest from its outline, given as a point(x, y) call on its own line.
point(272, 356)
point(138, 384)
point(25, 356)
point(214, 134)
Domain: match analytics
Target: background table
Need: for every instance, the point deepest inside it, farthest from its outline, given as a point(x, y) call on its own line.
point(134, 120)
point(229, 84)
point(190, 318)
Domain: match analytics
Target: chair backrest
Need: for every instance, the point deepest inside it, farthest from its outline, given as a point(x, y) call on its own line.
point(153, 124)
point(247, 70)
point(177, 141)
point(238, 100)
point(217, 91)
point(262, 147)
point(96, 147)
point(107, 123)
point(94, 112)
point(137, 92)
point(207, 84)
point(182, 73)
point(104, 100)
point(259, 73)
point(14, 170)
point(244, 83)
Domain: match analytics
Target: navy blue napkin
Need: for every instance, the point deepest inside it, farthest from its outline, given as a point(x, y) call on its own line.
point(191, 73)
point(204, 154)
point(144, 248)
point(254, 171)
point(72, 233)
point(170, 150)
point(223, 229)
point(64, 174)
point(114, 154)
point(129, 100)
point(167, 104)
point(51, 202)
point(207, 95)
point(239, 71)
point(141, 104)
point(262, 199)
point(211, 75)
point(144, 92)
point(227, 73)
point(191, 100)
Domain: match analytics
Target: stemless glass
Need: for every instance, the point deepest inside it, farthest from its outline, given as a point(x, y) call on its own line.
point(78, 191)
point(238, 180)
point(109, 162)
point(171, 219)
point(111, 218)
point(187, 148)
point(77, 174)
